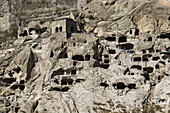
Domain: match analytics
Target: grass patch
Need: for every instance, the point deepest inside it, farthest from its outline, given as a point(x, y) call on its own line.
point(10, 34)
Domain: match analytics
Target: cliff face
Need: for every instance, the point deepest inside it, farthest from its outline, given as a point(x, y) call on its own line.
point(122, 15)
point(22, 11)
point(4, 15)
point(118, 63)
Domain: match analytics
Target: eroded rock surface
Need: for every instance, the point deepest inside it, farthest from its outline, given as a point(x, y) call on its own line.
point(119, 62)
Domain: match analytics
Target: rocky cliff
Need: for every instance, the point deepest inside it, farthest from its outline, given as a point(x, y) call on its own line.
point(118, 61)
point(20, 12)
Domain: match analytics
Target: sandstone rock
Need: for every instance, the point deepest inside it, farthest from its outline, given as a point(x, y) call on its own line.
point(161, 92)
point(21, 66)
point(28, 107)
point(121, 66)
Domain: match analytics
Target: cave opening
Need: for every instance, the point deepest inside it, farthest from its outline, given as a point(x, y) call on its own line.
point(147, 55)
point(130, 32)
point(126, 71)
point(17, 109)
point(162, 62)
point(96, 64)
point(56, 81)
point(167, 49)
point(20, 86)
point(87, 57)
point(150, 39)
point(74, 63)
point(144, 58)
point(158, 50)
point(110, 38)
point(56, 89)
point(132, 86)
point(64, 89)
point(148, 69)
point(44, 29)
point(146, 75)
point(64, 81)
point(73, 72)
point(159, 78)
point(165, 35)
point(122, 39)
point(63, 54)
point(143, 51)
point(17, 70)
point(121, 85)
point(164, 57)
point(78, 57)
point(112, 3)
point(37, 29)
point(51, 54)
point(136, 31)
point(30, 30)
point(106, 61)
point(155, 58)
point(58, 72)
point(56, 29)
point(9, 80)
point(137, 59)
point(104, 84)
point(151, 51)
point(70, 81)
point(132, 74)
point(22, 82)
point(157, 66)
point(112, 51)
point(23, 34)
point(105, 66)
point(127, 46)
point(80, 80)
point(136, 67)
point(74, 44)
point(106, 56)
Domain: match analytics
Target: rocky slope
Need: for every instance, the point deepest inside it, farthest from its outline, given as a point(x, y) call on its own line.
point(121, 64)
point(21, 12)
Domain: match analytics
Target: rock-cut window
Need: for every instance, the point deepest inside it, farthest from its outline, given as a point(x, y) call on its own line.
point(60, 29)
point(56, 29)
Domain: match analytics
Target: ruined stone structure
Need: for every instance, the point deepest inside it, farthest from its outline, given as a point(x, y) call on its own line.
point(64, 25)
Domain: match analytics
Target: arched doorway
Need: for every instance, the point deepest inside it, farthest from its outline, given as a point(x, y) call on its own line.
point(56, 29)
point(60, 29)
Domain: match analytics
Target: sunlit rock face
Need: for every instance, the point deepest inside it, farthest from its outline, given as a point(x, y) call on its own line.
point(109, 56)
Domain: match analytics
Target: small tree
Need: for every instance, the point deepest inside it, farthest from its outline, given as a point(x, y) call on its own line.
point(13, 31)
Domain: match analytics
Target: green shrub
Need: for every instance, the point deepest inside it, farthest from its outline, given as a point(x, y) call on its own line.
point(101, 38)
point(13, 31)
point(57, 8)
